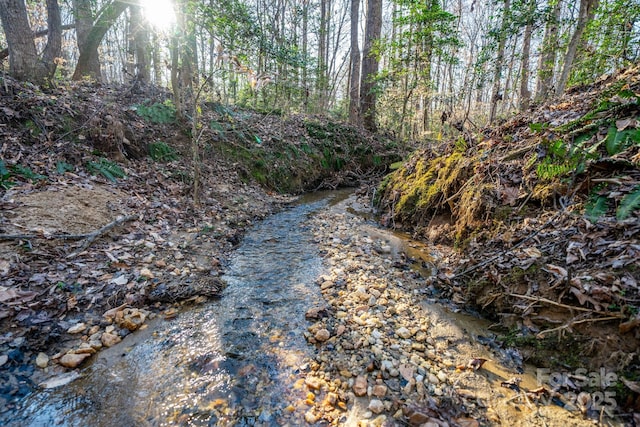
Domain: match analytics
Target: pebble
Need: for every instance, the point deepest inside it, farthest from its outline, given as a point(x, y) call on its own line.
point(73, 360)
point(42, 360)
point(310, 417)
point(403, 333)
point(77, 328)
point(313, 383)
point(3, 359)
point(379, 390)
point(108, 339)
point(322, 335)
point(376, 406)
point(360, 386)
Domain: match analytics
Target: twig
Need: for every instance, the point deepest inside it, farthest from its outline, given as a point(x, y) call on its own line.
point(569, 307)
point(575, 322)
point(93, 236)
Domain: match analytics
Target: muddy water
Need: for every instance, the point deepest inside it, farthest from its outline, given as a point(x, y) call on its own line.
point(237, 361)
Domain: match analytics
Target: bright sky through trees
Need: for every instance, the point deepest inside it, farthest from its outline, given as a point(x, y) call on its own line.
point(160, 13)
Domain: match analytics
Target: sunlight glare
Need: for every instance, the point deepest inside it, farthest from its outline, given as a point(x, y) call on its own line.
point(159, 13)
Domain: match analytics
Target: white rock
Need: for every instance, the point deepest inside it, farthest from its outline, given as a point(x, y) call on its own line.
point(77, 328)
point(442, 376)
point(376, 406)
point(42, 360)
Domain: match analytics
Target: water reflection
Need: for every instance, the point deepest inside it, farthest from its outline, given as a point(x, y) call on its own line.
point(231, 362)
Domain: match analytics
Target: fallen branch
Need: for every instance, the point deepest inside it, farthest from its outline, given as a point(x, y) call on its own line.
point(93, 236)
point(570, 323)
point(568, 307)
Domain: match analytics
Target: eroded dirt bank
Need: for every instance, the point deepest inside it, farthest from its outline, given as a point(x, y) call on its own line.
point(544, 212)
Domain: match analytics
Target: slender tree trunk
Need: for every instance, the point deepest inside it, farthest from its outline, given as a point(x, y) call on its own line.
point(54, 39)
point(354, 81)
point(305, 52)
point(368, 95)
point(587, 10)
point(140, 31)
point(497, 76)
point(547, 63)
point(525, 93)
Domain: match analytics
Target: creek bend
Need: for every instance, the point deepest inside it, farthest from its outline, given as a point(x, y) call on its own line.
point(251, 358)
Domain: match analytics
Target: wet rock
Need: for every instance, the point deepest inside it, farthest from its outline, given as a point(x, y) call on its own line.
point(316, 313)
point(42, 360)
point(313, 383)
point(376, 406)
point(77, 328)
point(73, 360)
point(108, 339)
point(130, 318)
point(3, 359)
point(360, 386)
point(322, 335)
point(310, 417)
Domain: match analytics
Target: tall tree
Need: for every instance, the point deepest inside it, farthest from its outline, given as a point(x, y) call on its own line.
point(83, 14)
point(370, 57)
point(497, 76)
point(24, 61)
point(586, 13)
point(105, 19)
point(525, 93)
point(354, 81)
point(548, 52)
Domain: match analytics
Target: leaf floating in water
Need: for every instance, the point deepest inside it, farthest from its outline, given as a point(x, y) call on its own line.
point(60, 380)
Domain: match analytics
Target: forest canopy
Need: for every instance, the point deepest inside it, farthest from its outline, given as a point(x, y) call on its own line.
point(417, 69)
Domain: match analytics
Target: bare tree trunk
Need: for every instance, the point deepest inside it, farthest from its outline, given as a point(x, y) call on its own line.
point(24, 63)
point(354, 81)
point(54, 38)
point(587, 10)
point(84, 22)
point(368, 95)
point(547, 63)
point(140, 31)
point(89, 50)
point(497, 76)
point(525, 93)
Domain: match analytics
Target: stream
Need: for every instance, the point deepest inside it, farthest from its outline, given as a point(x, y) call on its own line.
point(241, 360)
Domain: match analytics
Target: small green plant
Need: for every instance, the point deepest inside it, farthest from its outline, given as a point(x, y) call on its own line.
point(5, 176)
point(106, 168)
point(27, 173)
point(157, 113)
point(629, 203)
point(161, 152)
point(617, 141)
point(596, 207)
point(62, 167)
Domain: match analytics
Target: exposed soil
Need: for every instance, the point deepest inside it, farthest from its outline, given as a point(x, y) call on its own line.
point(544, 213)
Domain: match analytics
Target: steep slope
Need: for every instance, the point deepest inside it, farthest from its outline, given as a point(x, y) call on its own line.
point(543, 212)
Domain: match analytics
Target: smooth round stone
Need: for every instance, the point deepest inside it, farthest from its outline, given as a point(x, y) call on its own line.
point(42, 360)
point(322, 335)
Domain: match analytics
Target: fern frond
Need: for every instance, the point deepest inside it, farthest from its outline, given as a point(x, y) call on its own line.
point(629, 203)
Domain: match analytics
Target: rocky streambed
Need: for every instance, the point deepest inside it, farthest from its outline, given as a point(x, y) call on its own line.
point(324, 322)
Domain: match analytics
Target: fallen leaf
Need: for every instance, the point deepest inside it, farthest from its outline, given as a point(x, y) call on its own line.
point(626, 123)
point(633, 385)
point(559, 272)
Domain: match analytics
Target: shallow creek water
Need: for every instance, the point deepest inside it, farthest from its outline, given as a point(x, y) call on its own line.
point(233, 361)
